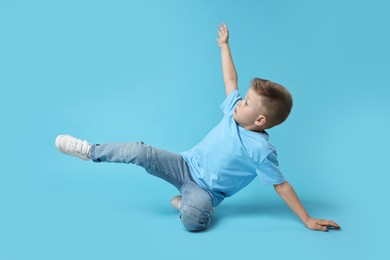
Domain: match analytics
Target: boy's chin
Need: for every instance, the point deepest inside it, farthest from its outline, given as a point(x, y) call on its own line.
point(235, 119)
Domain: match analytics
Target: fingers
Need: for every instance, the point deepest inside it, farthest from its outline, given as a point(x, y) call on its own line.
point(328, 223)
point(223, 28)
point(324, 225)
point(320, 227)
point(223, 33)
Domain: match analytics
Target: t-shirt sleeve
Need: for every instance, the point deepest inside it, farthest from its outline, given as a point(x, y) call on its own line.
point(230, 102)
point(269, 171)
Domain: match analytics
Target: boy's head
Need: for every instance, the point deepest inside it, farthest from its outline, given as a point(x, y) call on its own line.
point(266, 104)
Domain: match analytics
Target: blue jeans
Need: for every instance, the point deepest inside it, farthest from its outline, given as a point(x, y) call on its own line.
point(196, 205)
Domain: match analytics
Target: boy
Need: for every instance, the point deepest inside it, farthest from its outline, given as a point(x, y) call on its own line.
point(225, 161)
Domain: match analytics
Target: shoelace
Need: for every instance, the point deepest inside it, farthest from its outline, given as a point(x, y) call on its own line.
point(81, 147)
point(78, 146)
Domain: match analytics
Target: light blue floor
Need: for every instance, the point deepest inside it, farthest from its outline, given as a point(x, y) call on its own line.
point(149, 71)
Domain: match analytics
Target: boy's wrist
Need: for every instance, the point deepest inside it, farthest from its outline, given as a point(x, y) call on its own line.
point(306, 220)
point(224, 44)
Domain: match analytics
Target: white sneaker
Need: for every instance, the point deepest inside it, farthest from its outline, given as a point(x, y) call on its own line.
point(176, 202)
point(70, 145)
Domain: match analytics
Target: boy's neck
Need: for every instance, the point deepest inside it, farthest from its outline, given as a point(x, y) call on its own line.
point(255, 128)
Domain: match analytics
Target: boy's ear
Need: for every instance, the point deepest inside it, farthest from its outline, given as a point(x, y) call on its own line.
point(260, 120)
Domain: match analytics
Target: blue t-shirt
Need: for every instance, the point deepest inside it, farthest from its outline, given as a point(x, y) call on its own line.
point(230, 156)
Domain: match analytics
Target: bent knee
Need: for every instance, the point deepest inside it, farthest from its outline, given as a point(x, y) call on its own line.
point(195, 222)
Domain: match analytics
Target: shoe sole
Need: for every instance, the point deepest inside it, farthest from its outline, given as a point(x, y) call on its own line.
point(175, 203)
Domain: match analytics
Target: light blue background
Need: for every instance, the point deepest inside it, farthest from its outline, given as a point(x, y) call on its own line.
point(150, 71)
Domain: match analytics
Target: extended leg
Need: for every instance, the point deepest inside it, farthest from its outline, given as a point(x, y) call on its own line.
point(163, 164)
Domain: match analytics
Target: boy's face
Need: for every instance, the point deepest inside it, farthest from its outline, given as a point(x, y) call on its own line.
point(248, 112)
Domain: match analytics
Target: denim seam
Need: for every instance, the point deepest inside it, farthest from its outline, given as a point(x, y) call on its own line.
point(126, 150)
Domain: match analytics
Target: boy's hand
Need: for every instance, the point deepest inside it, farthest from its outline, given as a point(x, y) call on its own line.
point(321, 224)
point(223, 35)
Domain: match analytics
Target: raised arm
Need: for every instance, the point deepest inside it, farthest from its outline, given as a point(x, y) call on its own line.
point(230, 77)
point(287, 192)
